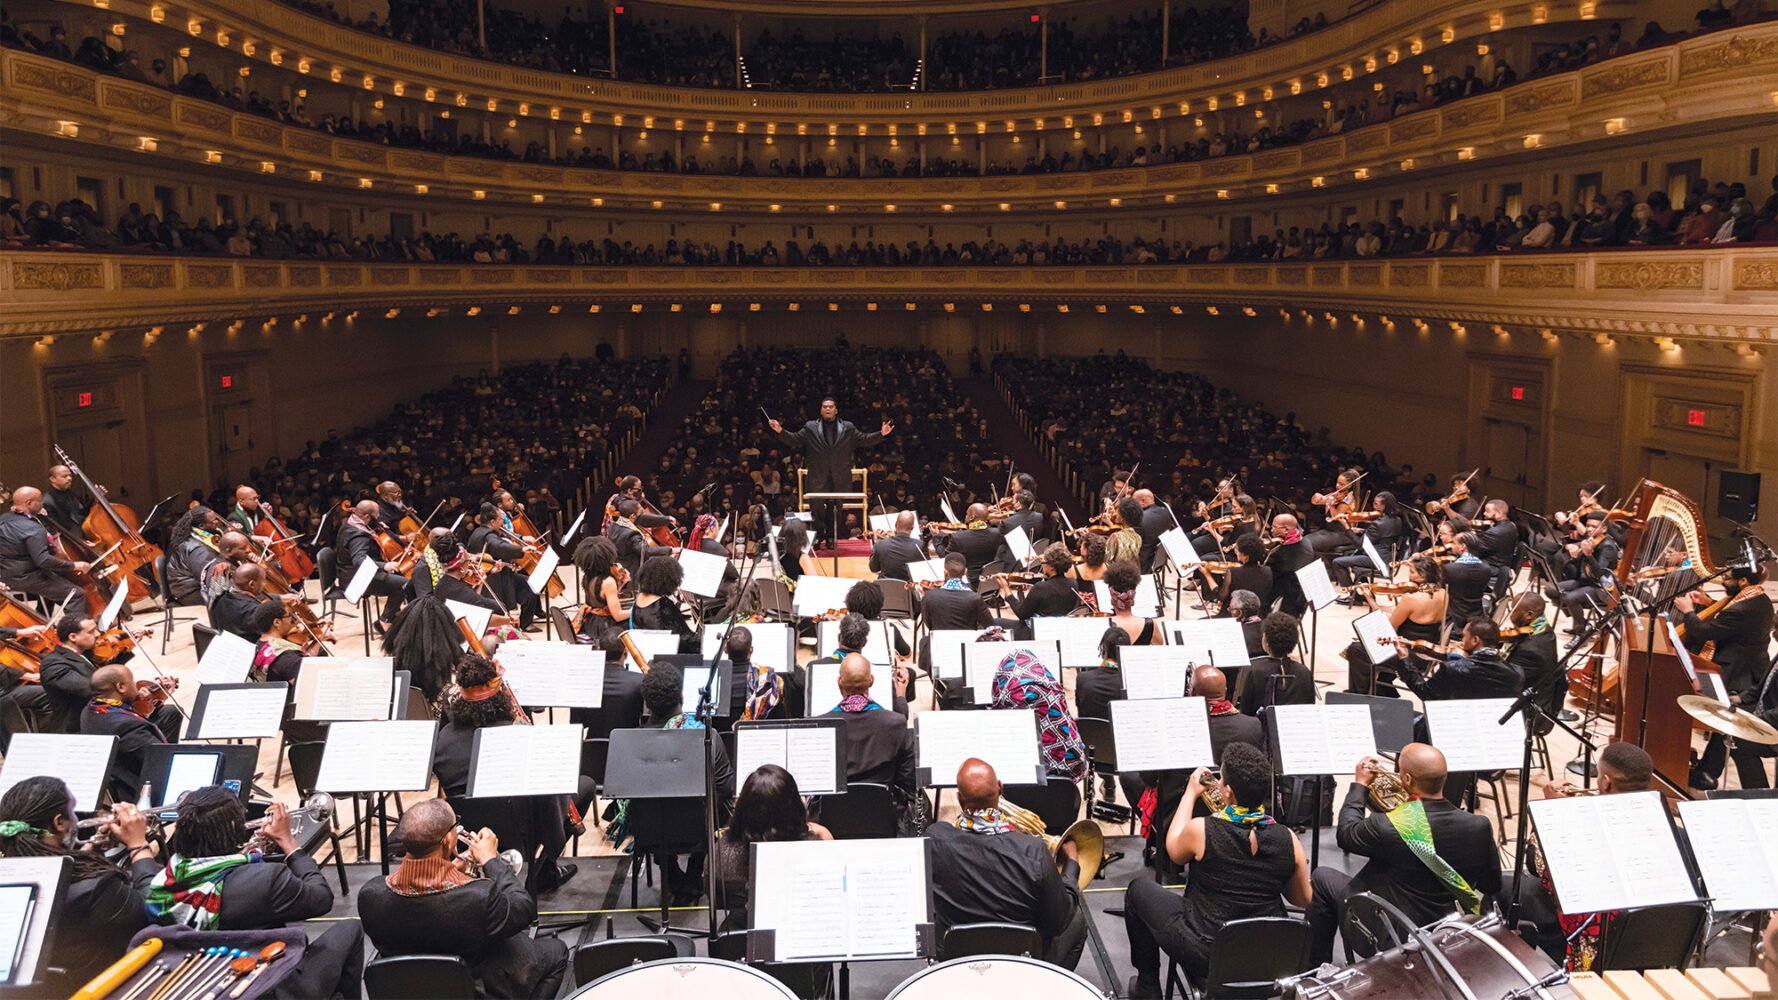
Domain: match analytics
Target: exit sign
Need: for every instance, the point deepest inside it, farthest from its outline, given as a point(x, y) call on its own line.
point(1518, 393)
point(228, 381)
point(1696, 418)
point(83, 400)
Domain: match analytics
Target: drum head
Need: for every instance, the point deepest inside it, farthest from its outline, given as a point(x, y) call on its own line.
point(989, 977)
point(686, 979)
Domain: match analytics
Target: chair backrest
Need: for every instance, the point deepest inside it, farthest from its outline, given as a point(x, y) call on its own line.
point(865, 812)
point(327, 569)
point(806, 979)
point(1101, 743)
point(1652, 937)
point(305, 764)
point(419, 977)
point(964, 940)
point(605, 957)
point(511, 818)
point(161, 591)
point(774, 597)
point(898, 600)
point(201, 635)
point(595, 752)
point(564, 628)
point(1248, 957)
point(1056, 802)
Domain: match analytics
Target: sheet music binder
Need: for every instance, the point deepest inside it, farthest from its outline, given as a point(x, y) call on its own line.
point(836, 779)
point(201, 713)
point(763, 943)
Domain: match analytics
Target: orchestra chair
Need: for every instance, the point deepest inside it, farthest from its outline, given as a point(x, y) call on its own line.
point(419, 977)
point(165, 595)
point(898, 601)
point(774, 599)
point(1101, 743)
point(305, 771)
point(1056, 802)
point(1247, 959)
point(805, 979)
point(601, 958)
point(967, 940)
point(564, 627)
point(865, 812)
point(595, 753)
point(201, 635)
point(660, 827)
point(1653, 937)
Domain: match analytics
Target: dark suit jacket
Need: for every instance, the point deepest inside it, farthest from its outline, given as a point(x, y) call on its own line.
point(890, 557)
point(230, 611)
point(1467, 583)
point(941, 608)
point(484, 922)
point(829, 464)
point(134, 736)
point(1479, 675)
point(1049, 598)
point(1029, 520)
point(1156, 521)
point(68, 686)
point(1009, 877)
point(1499, 544)
point(1464, 840)
point(1536, 660)
point(1284, 561)
point(353, 546)
point(880, 749)
point(1259, 685)
point(1257, 578)
point(256, 897)
point(978, 546)
point(1740, 632)
point(621, 707)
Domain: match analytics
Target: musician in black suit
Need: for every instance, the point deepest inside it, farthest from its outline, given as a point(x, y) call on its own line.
point(1252, 575)
point(828, 445)
point(1464, 841)
point(889, 557)
point(1156, 521)
point(1052, 597)
point(357, 542)
point(67, 673)
point(633, 547)
point(1293, 553)
point(1480, 670)
point(430, 906)
point(1531, 651)
point(978, 543)
point(1740, 630)
point(879, 743)
point(1500, 545)
point(26, 561)
point(1467, 579)
point(110, 714)
point(508, 583)
point(1383, 531)
point(1749, 756)
point(1587, 567)
point(1022, 517)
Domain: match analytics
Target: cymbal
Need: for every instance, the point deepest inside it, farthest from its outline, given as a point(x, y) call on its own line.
point(1715, 715)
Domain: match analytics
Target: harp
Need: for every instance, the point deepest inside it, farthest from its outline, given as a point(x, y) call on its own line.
point(1662, 520)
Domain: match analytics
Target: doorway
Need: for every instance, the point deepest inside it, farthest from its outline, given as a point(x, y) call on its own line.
point(1506, 464)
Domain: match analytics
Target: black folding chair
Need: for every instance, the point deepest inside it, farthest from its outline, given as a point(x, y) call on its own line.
point(965, 940)
point(419, 977)
point(1652, 937)
point(805, 979)
point(1248, 957)
point(1056, 802)
point(865, 812)
point(601, 958)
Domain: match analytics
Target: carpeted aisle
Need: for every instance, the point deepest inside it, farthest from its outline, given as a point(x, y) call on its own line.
point(1010, 440)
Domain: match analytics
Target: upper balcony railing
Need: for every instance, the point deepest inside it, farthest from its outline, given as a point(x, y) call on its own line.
point(1700, 83)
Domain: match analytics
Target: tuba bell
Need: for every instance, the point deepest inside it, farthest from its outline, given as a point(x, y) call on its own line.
point(1086, 835)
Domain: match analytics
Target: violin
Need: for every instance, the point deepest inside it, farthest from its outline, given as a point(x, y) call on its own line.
point(1458, 494)
point(1399, 587)
point(1219, 524)
point(1516, 631)
point(1355, 520)
point(151, 695)
point(1433, 553)
point(1097, 529)
point(1422, 647)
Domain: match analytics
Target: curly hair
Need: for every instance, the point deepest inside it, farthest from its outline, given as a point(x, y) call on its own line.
point(1092, 549)
point(866, 598)
point(212, 822)
point(1123, 575)
point(660, 576)
point(474, 670)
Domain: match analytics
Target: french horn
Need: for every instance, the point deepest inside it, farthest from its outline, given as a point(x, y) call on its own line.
point(1088, 839)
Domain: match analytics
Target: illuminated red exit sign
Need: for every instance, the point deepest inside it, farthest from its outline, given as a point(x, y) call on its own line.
point(228, 381)
point(1518, 393)
point(83, 400)
point(1696, 418)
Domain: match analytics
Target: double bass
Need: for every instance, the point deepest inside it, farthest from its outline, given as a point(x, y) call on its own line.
point(116, 526)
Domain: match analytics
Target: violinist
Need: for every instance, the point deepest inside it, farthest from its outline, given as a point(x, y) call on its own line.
point(64, 508)
point(1418, 615)
point(507, 583)
point(1573, 520)
point(357, 542)
point(1292, 552)
point(1155, 521)
point(1091, 567)
point(192, 551)
point(889, 557)
point(1591, 560)
point(1466, 577)
point(1385, 531)
point(1052, 597)
point(1114, 490)
point(1477, 669)
point(1334, 538)
point(110, 713)
point(28, 564)
point(1672, 574)
point(1022, 517)
point(1252, 574)
point(1732, 633)
point(604, 577)
point(1217, 535)
point(1126, 541)
point(976, 542)
point(1531, 650)
point(1457, 503)
point(1500, 544)
point(68, 679)
point(279, 646)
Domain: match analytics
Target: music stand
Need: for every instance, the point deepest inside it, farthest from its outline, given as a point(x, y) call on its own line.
point(662, 764)
point(1392, 719)
point(47, 878)
point(858, 500)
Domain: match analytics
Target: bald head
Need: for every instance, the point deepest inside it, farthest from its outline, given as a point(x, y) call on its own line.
point(855, 675)
point(113, 681)
point(976, 512)
point(1144, 497)
point(425, 827)
point(1210, 682)
point(249, 578)
point(977, 785)
point(1283, 522)
point(366, 510)
point(1425, 766)
point(904, 522)
point(28, 499)
point(246, 496)
point(234, 545)
point(1526, 607)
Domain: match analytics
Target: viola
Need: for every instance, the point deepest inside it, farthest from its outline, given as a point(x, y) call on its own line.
point(114, 642)
point(115, 526)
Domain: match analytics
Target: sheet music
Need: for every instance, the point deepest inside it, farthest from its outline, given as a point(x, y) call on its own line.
point(476, 615)
point(1469, 732)
point(1317, 585)
point(360, 581)
point(771, 644)
point(1371, 629)
point(227, 660)
point(377, 757)
point(982, 659)
point(1148, 600)
point(946, 648)
point(827, 900)
point(47, 873)
point(1322, 739)
point(886, 522)
point(1019, 544)
point(817, 595)
point(654, 642)
point(1178, 547)
point(1735, 842)
point(722, 529)
point(809, 753)
point(1610, 852)
point(546, 567)
point(703, 572)
point(824, 687)
point(1714, 687)
point(927, 570)
point(1364, 542)
point(1213, 640)
point(108, 617)
point(1079, 637)
point(239, 713)
point(1154, 672)
point(555, 674)
point(1162, 734)
point(691, 687)
point(944, 504)
point(877, 649)
point(574, 526)
point(526, 760)
point(81, 761)
point(342, 688)
point(1679, 650)
point(1007, 740)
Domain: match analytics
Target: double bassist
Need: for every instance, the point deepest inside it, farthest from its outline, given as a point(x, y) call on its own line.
point(61, 505)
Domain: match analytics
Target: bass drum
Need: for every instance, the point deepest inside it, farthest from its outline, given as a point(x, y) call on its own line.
point(686, 979)
point(1491, 960)
point(1000, 977)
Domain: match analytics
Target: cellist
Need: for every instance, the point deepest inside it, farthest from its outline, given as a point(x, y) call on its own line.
point(279, 543)
point(356, 542)
point(645, 518)
point(488, 539)
point(26, 561)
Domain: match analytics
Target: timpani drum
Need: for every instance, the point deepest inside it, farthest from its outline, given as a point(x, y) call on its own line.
point(686, 979)
point(996, 977)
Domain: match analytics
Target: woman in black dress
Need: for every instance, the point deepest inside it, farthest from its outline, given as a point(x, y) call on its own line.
point(656, 583)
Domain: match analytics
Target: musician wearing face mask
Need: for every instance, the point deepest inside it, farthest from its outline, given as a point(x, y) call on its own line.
point(491, 540)
point(1292, 553)
point(1732, 633)
point(356, 543)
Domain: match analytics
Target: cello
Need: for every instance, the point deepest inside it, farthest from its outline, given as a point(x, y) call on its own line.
point(527, 535)
point(115, 526)
point(281, 545)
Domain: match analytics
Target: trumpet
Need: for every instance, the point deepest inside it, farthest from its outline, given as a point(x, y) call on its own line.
point(1568, 791)
point(1388, 789)
point(511, 856)
point(1212, 796)
point(103, 841)
point(1088, 838)
point(317, 808)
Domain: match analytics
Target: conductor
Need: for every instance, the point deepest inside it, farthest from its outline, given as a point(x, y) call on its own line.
point(828, 444)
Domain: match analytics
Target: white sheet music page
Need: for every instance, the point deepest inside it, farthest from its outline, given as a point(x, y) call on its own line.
point(929, 570)
point(981, 660)
point(546, 567)
point(771, 643)
point(1469, 732)
point(1376, 635)
point(227, 660)
point(654, 642)
point(1162, 734)
point(841, 899)
point(703, 572)
point(1154, 672)
point(1079, 637)
point(877, 649)
point(1735, 842)
point(1610, 852)
point(1317, 585)
point(248, 713)
point(1364, 542)
point(1323, 739)
point(1179, 547)
point(1018, 543)
point(360, 582)
point(344, 688)
point(377, 757)
point(807, 752)
point(817, 595)
point(476, 615)
point(886, 522)
point(80, 761)
point(947, 650)
point(824, 687)
point(1007, 740)
point(572, 528)
point(1147, 600)
point(1218, 641)
point(526, 760)
point(554, 674)
point(108, 617)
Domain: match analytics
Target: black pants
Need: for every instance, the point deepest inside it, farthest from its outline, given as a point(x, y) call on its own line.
point(1331, 541)
point(393, 588)
point(1351, 568)
point(54, 590)
point(1365, 677)
point(1154, 917)
point(1750, 761)
point(1329, 889)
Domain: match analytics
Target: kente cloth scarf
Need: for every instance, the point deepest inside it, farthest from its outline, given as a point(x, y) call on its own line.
point(1122, 601)
point(1021, 681)
point(434, 571)
point(955, 583)
point(111, 706)
point(854, 703)
point(1244, 817)
point(988, 822)
point(426, 876)
point(764, 687)
point(207, 537)
point(1222, 708)
point(188, 891)
point(1409, 820)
